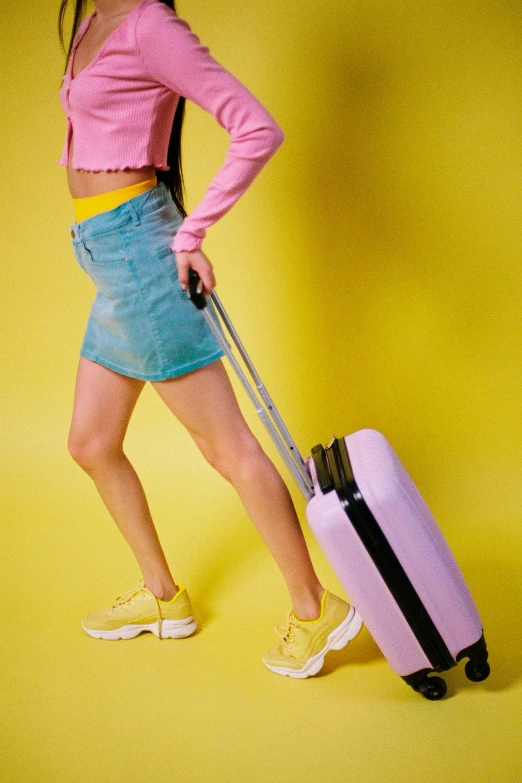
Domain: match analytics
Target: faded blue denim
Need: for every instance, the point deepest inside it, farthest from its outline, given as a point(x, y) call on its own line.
point(142, 323)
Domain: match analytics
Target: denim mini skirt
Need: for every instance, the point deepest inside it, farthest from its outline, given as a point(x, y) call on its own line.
point(141, 323)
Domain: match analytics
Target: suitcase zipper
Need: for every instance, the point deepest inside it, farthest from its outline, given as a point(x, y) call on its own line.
point(337, 463)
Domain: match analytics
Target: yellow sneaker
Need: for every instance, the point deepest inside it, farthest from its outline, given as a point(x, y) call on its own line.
point(304, 643)
point(139, 610)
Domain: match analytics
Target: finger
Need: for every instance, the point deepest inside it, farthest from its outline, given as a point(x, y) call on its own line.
point(183, 275)
point(210, 281)
point(207, 286)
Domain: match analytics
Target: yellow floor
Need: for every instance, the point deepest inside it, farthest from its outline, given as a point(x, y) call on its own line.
point(205, 708)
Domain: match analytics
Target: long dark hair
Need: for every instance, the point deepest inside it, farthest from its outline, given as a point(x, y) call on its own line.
point(173, 178)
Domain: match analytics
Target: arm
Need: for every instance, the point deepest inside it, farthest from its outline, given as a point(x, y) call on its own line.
point(174, 56)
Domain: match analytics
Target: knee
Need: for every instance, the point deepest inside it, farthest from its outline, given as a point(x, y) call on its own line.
point(90, 450)
point(238, 459)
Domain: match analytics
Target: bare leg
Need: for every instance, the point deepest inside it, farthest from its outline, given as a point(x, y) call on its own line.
point(205, 403)
point(103, 404)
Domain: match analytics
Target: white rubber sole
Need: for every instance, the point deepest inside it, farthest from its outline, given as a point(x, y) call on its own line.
point(337, 639)
point(170, 629)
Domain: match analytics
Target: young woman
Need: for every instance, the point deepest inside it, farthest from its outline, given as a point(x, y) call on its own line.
point(130, 67)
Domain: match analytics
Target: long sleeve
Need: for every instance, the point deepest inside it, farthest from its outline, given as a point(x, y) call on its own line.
point(174, 56)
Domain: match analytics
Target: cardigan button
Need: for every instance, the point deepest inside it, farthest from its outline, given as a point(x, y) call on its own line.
point(72, 233)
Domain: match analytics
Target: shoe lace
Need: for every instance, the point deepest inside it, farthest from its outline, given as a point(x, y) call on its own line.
point(288, 634)
point(134, 592)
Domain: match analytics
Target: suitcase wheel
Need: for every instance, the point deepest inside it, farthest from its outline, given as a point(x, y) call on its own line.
point(476, 672)
point(477, 668)
point(432, 688)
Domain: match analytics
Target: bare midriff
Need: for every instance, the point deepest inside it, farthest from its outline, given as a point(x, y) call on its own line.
point(91, 183)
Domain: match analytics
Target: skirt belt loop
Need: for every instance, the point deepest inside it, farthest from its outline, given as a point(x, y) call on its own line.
point(134, 213)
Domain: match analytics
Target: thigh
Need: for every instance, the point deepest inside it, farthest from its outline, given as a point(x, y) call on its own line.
point(103, 403)
point(205, 403)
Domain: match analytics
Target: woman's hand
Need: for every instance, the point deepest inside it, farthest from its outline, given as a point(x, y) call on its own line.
point(195, 259)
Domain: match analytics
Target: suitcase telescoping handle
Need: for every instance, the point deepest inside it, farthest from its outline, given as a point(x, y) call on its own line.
point(286, 445)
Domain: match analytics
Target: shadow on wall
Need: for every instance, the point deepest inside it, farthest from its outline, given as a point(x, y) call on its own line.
point(495, 584)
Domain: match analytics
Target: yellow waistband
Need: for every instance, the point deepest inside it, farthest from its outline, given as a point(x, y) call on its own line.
point(90, 205)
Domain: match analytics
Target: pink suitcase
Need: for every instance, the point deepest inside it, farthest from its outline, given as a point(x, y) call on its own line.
point(381, 540)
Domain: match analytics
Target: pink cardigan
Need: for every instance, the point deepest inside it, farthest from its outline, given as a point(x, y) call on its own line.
point(122, 106)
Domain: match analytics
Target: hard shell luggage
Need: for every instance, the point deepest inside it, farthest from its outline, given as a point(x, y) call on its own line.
point(381, 540)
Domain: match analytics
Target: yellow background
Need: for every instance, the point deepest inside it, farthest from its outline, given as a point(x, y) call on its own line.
point(373, 273)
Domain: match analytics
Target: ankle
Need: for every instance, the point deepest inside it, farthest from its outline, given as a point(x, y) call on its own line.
point(161, 591)
point(308, 606)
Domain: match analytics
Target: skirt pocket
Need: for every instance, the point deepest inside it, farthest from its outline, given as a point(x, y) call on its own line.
point(167, 257)
point(106, 261)
point(107, 248)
